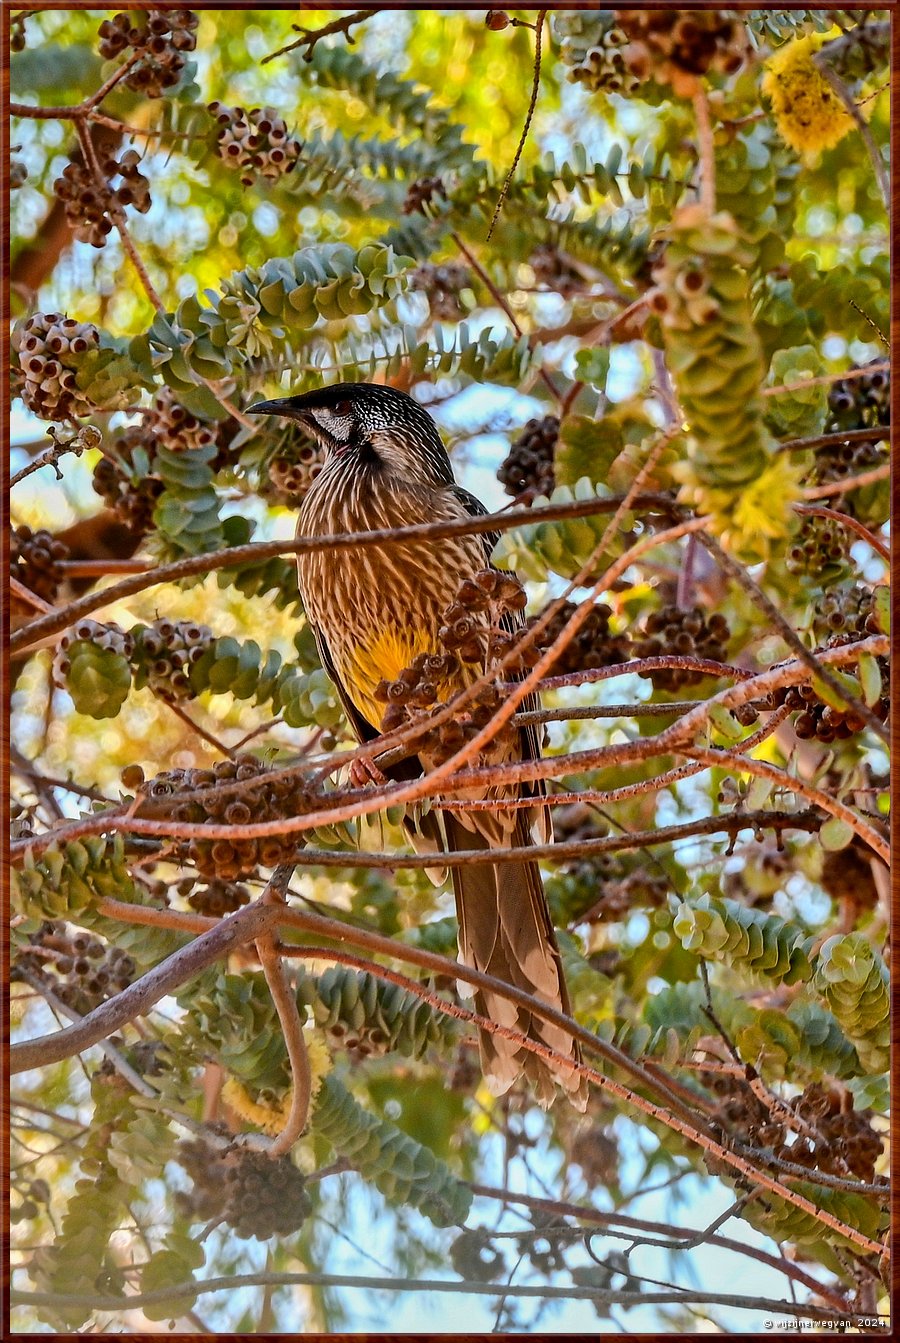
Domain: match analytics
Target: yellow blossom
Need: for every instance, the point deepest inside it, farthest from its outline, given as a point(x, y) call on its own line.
point(762, 506)
point(808, 113)
point(271, 1117)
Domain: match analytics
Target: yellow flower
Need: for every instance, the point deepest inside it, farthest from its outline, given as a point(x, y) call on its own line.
point(748, 519)
point(808, 113)
point(271, 1118)
point(763, 506)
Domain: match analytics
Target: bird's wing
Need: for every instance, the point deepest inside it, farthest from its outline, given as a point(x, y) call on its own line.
point(425, 831)
point(476, 509)
point(364, 730)
point(512, 621)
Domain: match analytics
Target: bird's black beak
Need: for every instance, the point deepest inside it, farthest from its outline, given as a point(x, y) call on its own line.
point(286, 406)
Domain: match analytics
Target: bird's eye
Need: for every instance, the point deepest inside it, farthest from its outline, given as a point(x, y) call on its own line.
point(342, 408)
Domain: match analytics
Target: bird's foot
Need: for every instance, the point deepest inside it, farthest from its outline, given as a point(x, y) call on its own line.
point(363, 771)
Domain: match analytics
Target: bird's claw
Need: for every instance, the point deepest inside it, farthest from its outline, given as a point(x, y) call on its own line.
point(363, 771)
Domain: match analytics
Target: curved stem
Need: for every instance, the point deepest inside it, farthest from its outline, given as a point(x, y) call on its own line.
point(285, 1001)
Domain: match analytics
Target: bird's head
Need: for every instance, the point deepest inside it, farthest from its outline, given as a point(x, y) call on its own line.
point(358, 419)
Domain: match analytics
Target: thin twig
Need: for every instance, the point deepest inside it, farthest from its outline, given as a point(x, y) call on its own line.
point(285, 1001)
point(82, 109)
point(118, 218)
point(833, 487)
point(19, 590)
point(502, 303)
point(790, 636)
point(50, 457)
point(827, 379)
point(821, 59)
point(706, 150)
point(816, 441)
point(865, 316)
point(310, 36)
point(535, 89)
point(852, 524)
point(201, 732)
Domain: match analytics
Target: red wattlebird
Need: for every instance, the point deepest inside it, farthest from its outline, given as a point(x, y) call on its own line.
point(373, 611)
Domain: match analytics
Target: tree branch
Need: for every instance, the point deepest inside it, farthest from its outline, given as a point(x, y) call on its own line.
point(532, 104)
point(310, 36)
point(255, 551)
point(234, 1282)
point(814, 661)
point(359, 802)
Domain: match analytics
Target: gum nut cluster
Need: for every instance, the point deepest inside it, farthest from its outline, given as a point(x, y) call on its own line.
point(489, 594)
point(836, 461)
point(167, 649)
point(170, 425)
point(294, 468)
point(674, 46)
point(682, 633)
point(441, 285)
point(132, 500)
point(591, 647)
point(555, 270)
point(819, 546)
point(84, 971)
point(198, 797)
point(837, 1139)
point(421, 193)
point(89, 201)
point(822, 721)
point(447, 738)
point(84, 641)
point(51, 350)
point(35, 560)
point(847, 611)
point(603, 68)
point(417, 687)
point(590, 46)
point(161, 37)
point(863, 401)
point(256, 1195)
point(214, 899)
point(529, 465)
point(256, 142)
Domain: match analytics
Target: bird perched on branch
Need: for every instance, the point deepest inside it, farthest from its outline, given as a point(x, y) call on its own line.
point(373, 610)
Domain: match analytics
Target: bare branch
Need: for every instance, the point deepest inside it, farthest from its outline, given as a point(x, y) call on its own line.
point(674, 740)
point(254, 551)
point(285, 1001)
point(814, 661)
point(234, 1282)
point(310, 36)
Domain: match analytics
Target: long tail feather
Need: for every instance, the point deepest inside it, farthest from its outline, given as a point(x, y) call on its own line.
point(505, 930)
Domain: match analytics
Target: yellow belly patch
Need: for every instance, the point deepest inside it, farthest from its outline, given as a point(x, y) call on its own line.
point(382, 659)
